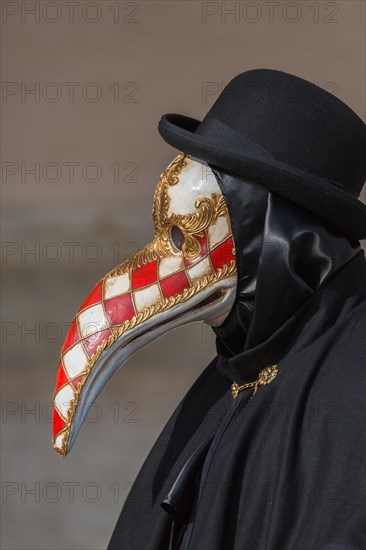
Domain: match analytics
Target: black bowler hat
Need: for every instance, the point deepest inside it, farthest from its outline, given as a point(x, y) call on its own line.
point(287, 134)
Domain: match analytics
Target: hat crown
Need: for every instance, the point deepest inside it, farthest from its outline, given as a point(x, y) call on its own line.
point(294, 121)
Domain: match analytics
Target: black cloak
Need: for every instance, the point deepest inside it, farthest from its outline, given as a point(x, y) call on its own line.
point(284, 468)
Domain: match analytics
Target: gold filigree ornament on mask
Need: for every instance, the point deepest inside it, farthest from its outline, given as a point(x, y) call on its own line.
point(208, 209)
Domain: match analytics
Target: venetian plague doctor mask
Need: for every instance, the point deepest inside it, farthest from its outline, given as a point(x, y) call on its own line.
point(186, 273)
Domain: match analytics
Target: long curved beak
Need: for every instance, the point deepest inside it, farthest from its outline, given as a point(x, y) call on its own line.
point(146, 296)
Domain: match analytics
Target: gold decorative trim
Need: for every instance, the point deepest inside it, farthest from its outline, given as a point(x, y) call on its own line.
point(117, 332)
point(266, 376)
point(168, 178)
point(191, 225)
point(208, 210)
point(159, 246)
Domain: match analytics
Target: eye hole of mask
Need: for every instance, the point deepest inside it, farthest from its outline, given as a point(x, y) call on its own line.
point(177, 237)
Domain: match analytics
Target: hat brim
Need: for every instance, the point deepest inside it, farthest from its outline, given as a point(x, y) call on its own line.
point(318, 195)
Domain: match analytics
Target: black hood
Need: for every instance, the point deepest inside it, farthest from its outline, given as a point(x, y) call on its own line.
point(284, 254)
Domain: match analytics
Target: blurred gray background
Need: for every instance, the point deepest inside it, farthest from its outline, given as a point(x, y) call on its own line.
point(81, 156)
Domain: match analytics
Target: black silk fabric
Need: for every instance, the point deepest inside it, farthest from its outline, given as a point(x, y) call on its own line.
point(283, 469)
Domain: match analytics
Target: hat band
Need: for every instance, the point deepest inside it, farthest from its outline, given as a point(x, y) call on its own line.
point(212, 127)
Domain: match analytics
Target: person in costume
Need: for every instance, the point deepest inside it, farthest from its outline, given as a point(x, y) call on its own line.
point(257, 232)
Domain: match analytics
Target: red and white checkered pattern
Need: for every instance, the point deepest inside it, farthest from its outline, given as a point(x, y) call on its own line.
point(117, 299)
